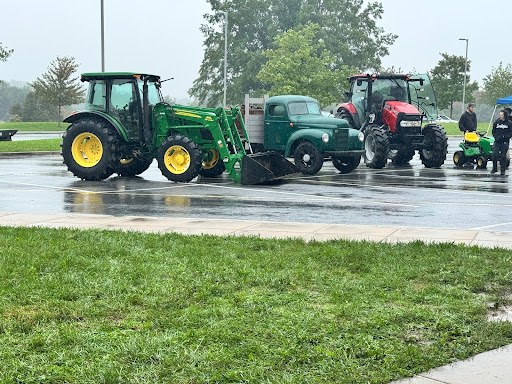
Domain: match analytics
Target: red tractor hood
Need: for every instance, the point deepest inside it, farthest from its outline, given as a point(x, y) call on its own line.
point(399, 106)
point(391, 111)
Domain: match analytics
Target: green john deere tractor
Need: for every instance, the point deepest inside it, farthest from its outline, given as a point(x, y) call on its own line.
point(126, 125)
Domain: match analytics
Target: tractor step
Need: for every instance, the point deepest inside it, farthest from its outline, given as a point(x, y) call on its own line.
point(264, 167)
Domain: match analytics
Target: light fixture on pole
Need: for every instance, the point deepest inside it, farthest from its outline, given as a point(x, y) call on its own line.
point(465, 71)
point(225, 54)
point(102, 39)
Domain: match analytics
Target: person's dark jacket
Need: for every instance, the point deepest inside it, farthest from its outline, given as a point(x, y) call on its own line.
point(502, 130)
point(467, 122)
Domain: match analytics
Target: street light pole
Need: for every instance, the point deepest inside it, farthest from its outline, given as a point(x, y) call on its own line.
point(225, 54)
point(102, 39)
point(465, 71)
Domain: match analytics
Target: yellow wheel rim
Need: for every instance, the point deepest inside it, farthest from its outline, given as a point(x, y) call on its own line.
point(177, 159)
point(87, 150)
point(213, 157)
point(456, 158)
point(126, 161)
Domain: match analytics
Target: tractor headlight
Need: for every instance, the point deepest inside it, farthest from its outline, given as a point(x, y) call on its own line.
point(325, 138)
point(405, 123)
point(360, 136)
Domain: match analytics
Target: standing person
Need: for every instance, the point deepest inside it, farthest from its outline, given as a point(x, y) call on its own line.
point(501, 130)
point(467, 122)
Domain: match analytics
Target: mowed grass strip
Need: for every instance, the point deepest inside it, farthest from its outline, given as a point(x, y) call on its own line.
point(115, 307)
point(30, 145)
point(453, 128)
point(29, 126)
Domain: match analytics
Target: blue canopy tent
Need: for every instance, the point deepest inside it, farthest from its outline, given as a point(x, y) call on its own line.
point(504, 101)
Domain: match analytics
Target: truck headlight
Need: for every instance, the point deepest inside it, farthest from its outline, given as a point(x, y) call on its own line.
point(360, 136)
point(325, 138)
point(406, 123)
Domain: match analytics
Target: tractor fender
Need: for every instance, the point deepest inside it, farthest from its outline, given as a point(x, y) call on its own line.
point(349, 107)
point(98, 116)
point(312, 135)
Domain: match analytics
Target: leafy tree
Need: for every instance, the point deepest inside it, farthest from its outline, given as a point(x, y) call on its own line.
point(5, 53)
point(9, 96)
point(448, 81)
point(34, 108)
point(498, 83)
point(300, 64)
point(348, 29)
point(57, 86)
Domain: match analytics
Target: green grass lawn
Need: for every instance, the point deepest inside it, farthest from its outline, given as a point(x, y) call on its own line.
point(35, 126)
point(453, 128)
point(30, 145)
point(113, 307)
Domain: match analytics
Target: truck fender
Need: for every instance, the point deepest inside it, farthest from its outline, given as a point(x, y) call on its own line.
point(312, 135)
point(98, 116)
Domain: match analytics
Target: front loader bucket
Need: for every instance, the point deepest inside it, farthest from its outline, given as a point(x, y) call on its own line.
point(263, 167)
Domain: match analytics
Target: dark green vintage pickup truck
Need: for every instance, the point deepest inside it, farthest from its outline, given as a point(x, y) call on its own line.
point(293, 125)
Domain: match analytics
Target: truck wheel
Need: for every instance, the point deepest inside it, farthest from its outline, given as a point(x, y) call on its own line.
point(481, 162)
point(376, 146)
point(179, 159)
point(212, 165)
point(459, 159)
point(346, 164)
point(436, 146)
point(132, 167)
point(307, 158)
point(401, 156)
point(89, 149)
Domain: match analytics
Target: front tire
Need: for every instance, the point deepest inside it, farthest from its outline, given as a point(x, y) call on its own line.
point(436, 143)
point(179, 159)
point(132, 167)
point(459, 159)
point(481, 162)
point(346, 164)
point(376, 146)
point(89, 149)
point(307, 158)
point(212, 165)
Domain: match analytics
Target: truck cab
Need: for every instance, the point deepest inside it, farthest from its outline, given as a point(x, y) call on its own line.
point(294, 126)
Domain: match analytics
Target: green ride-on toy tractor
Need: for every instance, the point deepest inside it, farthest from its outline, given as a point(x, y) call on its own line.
point(475, 149)
point(126, 125)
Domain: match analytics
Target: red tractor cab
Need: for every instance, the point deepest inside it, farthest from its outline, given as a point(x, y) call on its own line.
point(390, 110)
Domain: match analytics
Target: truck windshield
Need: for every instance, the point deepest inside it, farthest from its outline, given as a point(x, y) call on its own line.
point(304, 108)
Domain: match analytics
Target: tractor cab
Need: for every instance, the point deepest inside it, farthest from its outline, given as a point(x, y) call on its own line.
point(121, 96)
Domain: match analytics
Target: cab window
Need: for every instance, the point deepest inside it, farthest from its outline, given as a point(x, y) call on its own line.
point(96, 99)
point(276, 110)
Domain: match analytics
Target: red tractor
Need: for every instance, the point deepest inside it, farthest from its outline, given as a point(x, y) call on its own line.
point(390, 110)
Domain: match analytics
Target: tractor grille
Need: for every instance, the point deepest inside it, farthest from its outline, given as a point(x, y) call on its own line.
point(341, 139)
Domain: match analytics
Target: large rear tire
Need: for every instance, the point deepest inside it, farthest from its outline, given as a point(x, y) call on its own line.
point(346, 164)
point(307, 158)
point(90, 149)
point(376, 146)
point(436, 143)
point(212, 165)
point(401, 156)
point(179, 159)
point(344, 114)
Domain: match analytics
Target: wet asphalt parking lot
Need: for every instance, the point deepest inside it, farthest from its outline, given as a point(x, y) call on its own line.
point(448, 197)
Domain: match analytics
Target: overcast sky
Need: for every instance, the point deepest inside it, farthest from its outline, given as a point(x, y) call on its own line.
point(163, 36)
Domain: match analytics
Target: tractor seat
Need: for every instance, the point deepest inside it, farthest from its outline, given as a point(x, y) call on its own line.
point(471, 137)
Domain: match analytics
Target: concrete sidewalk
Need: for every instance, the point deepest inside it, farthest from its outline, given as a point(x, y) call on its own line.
point(492, 367)
point(222, 227)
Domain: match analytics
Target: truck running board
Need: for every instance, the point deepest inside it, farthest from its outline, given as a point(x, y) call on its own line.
point(263, 167)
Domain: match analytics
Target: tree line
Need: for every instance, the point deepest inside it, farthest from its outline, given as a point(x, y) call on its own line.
point(285, 47)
